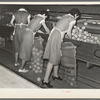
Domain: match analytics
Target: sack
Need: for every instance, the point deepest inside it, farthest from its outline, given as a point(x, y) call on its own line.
point(68, 62)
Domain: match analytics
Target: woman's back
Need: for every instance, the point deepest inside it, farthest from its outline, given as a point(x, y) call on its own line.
point(63, 23)
point(34, 25)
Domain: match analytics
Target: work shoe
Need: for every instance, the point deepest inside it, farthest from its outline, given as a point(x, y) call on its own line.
point(47, 84)
point(23, 70)
point(58, 78)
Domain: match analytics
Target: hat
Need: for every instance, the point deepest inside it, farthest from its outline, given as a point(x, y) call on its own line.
point(22, 9)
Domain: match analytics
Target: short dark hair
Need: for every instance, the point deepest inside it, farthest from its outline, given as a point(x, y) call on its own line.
point(75, 11)
point(46, 13)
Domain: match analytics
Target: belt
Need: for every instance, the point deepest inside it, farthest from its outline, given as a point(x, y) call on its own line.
point(28, 29)
point(21, 24)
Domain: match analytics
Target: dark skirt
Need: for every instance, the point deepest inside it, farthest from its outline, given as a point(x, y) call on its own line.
point(53, 48)
point(18, 37)
point(26, 45)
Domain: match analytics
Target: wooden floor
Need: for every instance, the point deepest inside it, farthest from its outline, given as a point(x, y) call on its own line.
point(9, 79)
point(83, 79)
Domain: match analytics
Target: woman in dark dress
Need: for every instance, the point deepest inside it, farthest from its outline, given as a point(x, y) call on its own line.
point(53, 47)
point(28, 38)
point(20, 20)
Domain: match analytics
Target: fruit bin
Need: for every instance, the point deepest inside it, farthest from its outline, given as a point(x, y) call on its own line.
point(36, 62)
point(88, 52)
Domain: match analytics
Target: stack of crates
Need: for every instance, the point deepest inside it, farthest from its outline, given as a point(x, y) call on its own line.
point(68, 63)
point(36, 62)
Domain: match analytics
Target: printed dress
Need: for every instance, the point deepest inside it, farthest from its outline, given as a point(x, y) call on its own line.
point(53, 46)
point(28, 38)
point(20, 24)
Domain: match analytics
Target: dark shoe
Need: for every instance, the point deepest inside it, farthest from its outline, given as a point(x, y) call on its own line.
point(58, 78)
point(47, 84)
point(22, 70)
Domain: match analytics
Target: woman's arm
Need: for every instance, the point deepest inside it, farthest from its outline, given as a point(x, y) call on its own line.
point(28, 18)
point(12, 20)
point(46, 28)
point(71, 24)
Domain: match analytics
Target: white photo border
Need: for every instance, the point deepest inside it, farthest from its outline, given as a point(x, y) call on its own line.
point(49, 93)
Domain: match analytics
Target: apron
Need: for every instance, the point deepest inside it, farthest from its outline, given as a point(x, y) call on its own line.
point(53, 46)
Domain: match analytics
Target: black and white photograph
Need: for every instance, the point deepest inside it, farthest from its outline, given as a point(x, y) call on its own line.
point(50, 46)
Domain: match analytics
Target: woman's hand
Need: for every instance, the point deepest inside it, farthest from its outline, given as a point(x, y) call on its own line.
point(72, 23)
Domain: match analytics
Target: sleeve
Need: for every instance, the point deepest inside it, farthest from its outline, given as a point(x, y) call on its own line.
point(42, 21)
point(28, 18)
point(12, 20)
